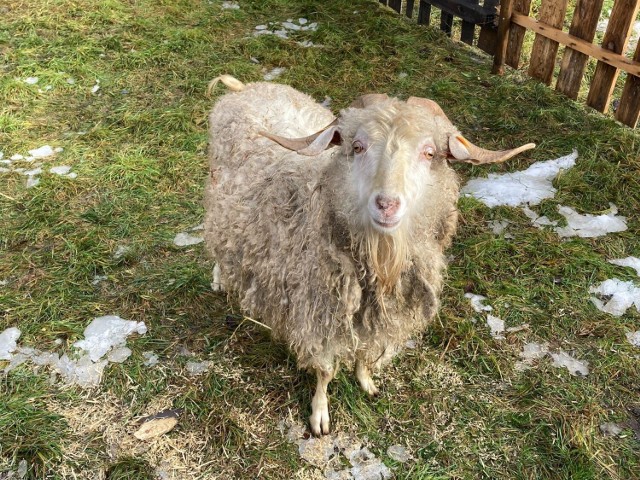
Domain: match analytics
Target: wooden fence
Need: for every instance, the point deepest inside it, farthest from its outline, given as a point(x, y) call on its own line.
point(515, 20)
point(503, 35)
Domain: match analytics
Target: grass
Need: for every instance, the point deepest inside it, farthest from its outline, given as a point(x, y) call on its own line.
point(138, 145)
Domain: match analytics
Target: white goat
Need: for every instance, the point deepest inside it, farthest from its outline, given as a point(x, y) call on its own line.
point(339, 251)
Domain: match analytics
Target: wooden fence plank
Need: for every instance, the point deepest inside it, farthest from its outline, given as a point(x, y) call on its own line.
point(396, 5)
point(506, 9)
point(516, 35)
point(446, 22)
point(618, 61)
point(424, 13)
point(489, 33)
point(629, 109)
point(543, 54)
point(583, 25)
point(409, 9)
point(615, 39)
point(468, 29)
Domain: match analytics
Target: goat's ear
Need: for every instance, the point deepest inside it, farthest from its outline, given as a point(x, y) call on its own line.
point(462, 150)
point(312, 145)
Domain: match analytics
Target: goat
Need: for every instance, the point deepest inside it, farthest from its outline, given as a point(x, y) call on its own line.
point(339, 251)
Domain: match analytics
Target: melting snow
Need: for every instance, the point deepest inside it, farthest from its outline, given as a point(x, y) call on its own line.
point(588, 226)
point(8, 342)
point(98, 278)
point(618, 296)
point(151, 359)
point(399, 453)
point(330, 451)
point(31, 80)
point(529, 186)
point(575, 367)
point(44, 151)
point(61, 170)
point(121, 250)
point(273, 74)
point(498, 226)
point(184, 239)
point(282, 29)
point(610, 429)
point(230, 5)
point(104, 336)
point(198, 368)
point(537, 220)
point(32, 181)
point(497, 327)
point(17, 157)
point(634, 338)
point(632, 262)
point(477, 302)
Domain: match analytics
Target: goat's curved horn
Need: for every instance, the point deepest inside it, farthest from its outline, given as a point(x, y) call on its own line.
point(312, 145)
point(461, 149)
point(364, 101)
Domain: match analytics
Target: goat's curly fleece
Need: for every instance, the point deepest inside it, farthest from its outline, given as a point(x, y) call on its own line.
point(288, 238)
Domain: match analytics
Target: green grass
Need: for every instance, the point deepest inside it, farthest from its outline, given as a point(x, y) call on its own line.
point(138, 145)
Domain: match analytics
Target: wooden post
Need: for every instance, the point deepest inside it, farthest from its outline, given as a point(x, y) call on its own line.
point(629, 109)
point(446, 22)
point(489, 33)
point(409, 9)
point(468, 29)
point(424, 13)
point(615, 39)
point(395, 4)
point(583, 25)
point(543, 55)
point(516, 34)
point(506, 9)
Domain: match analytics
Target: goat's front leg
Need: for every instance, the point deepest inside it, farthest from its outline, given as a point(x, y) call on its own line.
point(363, 374)
point(319, 419)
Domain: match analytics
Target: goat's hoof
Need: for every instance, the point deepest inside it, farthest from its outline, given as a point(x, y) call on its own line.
point(370, 388)
point(319, 422)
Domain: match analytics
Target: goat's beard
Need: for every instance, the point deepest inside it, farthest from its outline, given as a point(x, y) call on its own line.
point(386, 255)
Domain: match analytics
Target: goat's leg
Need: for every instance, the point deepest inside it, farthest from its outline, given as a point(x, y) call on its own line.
point(363, 374)
point(319, 419)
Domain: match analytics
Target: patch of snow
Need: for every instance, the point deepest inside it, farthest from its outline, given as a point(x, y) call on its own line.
point(610, 429)
point(71, 81)
point(98, 278)
point(399, 453)
point(303, 21)
point(35, 171)
point(633, 262)
point(121, 250)
point(60, 170)
point(119, 354)
point(230, 5)
point(3, 283)
point(105, 333)
point(4, 170)
point(273, 74)
point(22, 469)
point(497, 327)
point(9, 342)
point(537, 220)
point(41, 152)
point(498, 226)
point(96, 87)
point(530, 353)
point(575, 367)
point(151, 359)
point(477, 302)
point(291, 26)
point(529, 186)
point(618, 296)
point(634, 338)
point(588, 226)
point(16, 157)
point(184, 239)
point(31, 80)
point(198, 368)
point(32, 181)
point(403, 75)
point(197, 228)
point(261, 27)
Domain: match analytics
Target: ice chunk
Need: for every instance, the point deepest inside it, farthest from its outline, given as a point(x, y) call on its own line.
point(31, 80)
point(587, 226)
point(530, 353)
point(633, 262)
point(9, 342)
point(184, 239)
point(83, 371)
point(261, 27)
point(399, 453)
point(575, 367)
point(151, 359)
point(32, 181)
point(198, 368)
point(41, 152)
point(302, 21)
point(119, 354)
point(60, 170)
point(620, 296)
point(290, 26)
point(477, 302)
point(16, 157)
point(634, 338)
point(498, 226)
point(529, 186)
point(273, 74)
point(31, 173)
point(537, 220)
point(497, 327)
point(104, 333)
point(230, 5)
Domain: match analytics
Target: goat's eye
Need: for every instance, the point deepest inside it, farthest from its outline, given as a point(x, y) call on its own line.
point(429, 151)
point(358, 147)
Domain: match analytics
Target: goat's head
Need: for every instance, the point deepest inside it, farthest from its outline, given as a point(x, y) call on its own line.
point(395, 148)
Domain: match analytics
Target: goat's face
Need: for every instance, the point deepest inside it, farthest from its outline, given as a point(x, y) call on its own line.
point(393, 148)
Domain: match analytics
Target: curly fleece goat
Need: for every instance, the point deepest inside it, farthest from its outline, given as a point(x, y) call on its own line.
point(338, 250)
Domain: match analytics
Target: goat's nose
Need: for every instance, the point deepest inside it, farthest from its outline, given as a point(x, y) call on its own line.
point(387, 205)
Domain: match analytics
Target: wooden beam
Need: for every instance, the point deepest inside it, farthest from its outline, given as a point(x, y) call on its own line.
point(506, 9)
point(467, 11)
point(583, 25)
point(543, 54)
point(603, 55)
point(615, 39)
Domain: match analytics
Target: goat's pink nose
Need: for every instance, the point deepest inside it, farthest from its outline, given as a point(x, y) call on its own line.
point(388, 206)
